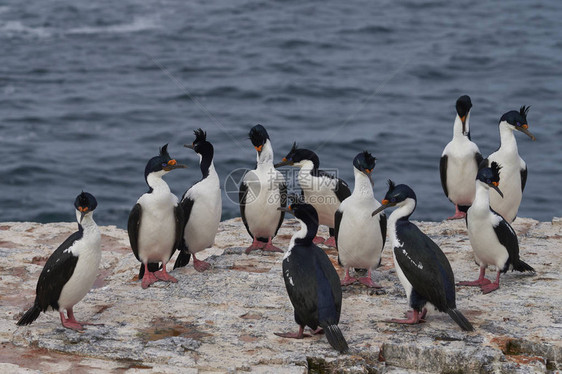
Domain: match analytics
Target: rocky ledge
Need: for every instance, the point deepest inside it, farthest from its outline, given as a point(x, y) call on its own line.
point(223, 320)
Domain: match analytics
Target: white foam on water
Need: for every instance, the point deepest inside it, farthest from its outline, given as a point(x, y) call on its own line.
point(138, 24)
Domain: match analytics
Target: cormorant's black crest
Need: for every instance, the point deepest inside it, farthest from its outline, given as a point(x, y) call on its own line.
point(391, 185)
point(304, 212)
point(258, 135)
point(516, 118)
point(496, 170)
point(463, 105)
point(489, 175)
point(86, 201)
point(164, 152)
point(200, 135)
point(523, 111)
point(294, 148)
point(157, 163)
point(364, 161)
point(398, 193)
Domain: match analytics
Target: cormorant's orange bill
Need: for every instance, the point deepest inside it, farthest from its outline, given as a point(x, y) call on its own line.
point(385, 202)
point(463, 119)
point(284, 159)
point(525, 126)
point(81, 209)
point(259, 148)
point(495, 183)
point(172, 162)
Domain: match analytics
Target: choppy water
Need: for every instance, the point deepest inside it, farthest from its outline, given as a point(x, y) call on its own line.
point(90, 90)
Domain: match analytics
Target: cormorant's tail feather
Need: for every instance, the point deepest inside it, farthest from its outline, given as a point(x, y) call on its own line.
point(31, 315)
point(335, 338)
point(460, 320)
point(523, 266)
point(183, 259)
point(152, 267)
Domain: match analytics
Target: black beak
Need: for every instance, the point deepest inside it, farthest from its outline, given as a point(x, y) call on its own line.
point(497, 190)
point(283, 163)
point(190, 146)
point(82, 214)
point(286, 209)
point(527, 132)
point(176, 166)
point(463, 120)
point(379, 209)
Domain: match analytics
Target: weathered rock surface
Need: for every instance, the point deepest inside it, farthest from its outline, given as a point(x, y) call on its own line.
point(223, 320)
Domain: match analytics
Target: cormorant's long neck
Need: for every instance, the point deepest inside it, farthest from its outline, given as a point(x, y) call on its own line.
point(403, 212)
point(481, 198)
point(508, 143)
point(308, 231)
point(88, 225)
point(157, 184)
point(206, 163)
point(363, 186)
point(457, 127)
point(265, 157)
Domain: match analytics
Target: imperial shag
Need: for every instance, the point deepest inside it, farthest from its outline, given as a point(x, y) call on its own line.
point(201, 205)
point(156, 221)
point(492, 238)
point(423, 269)
point(323, 191)
point(71, 270)
point(312, 282)
point(360, 237)
point(262, 191)
point(460, 160)
point(514, 169)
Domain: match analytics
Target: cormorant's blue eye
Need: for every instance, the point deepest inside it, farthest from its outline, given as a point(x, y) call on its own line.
point(518, 124)
point(164, 164)
point(488, 181)
point(393, 200)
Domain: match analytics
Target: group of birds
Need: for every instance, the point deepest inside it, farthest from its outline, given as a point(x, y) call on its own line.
point(160, 223)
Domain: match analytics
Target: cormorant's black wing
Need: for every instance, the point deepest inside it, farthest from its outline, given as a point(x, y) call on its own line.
point(133, 225)
point(184, 256)
point(242, 194)
point(57, 271)
point(478, 158)
point(382, 223)
point(329, 305)
point(523, 178)
point(342, 190)
point(425, 266)
point(443, 172)
point(180, 225)
point(282, 203)
point(300, 282)
point(507, 238)
point(133, 228)
point(338, 215)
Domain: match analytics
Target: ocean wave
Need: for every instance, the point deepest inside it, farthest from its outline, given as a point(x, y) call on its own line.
point(138, 24)
point(15, 28)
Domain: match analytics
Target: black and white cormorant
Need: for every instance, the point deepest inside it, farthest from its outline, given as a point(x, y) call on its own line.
point(460, 160)
point(156, 221)
point(71, 270)
point(312, 282)
point(201, 205)
point(323, 191)
point(423, 269)
point(514, 169)
point(262, 191)
point(492, 238)
point(360, 237)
